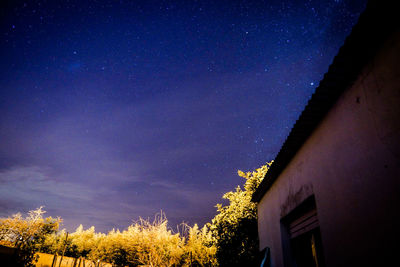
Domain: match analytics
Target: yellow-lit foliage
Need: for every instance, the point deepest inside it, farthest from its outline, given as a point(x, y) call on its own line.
point(157, 245)
point(54, 243)
point(17, 230)
point(201, 247)
point(27, 234)
point(234, 228)
point(85, 240)
point(229, 240)
point(240, 204)
point(142, 243)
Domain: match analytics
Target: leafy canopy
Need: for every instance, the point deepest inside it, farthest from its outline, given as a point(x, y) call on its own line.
point(27, 234)
point(234, 228)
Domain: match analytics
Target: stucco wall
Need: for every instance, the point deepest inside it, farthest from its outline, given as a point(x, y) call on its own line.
point(351, 163)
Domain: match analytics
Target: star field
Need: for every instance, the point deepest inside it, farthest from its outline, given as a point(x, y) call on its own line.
point(111, 110)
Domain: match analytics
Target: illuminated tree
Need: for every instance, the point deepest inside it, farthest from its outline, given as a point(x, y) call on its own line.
point(156, 244)
point(234, 228)
point(200, 247)
point(84, 241)
point(230, 239)
point(27, 234)
point(54, 243)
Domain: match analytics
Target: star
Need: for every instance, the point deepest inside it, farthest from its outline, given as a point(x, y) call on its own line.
point(200, 90)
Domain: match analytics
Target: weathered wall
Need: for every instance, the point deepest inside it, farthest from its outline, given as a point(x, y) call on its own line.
point(351, 163)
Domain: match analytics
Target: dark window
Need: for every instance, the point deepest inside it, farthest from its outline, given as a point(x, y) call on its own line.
point(302, 237)
point(307, 249)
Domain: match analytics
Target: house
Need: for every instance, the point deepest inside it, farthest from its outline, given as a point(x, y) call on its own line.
point(332, 195)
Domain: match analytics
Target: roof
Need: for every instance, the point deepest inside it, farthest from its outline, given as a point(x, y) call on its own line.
point(374, 26)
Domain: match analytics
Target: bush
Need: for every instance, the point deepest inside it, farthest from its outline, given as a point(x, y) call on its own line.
point(142, 243)
point(27, 234)
point(234, 228)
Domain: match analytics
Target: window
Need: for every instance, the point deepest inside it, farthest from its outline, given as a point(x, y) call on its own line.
point(301, 237)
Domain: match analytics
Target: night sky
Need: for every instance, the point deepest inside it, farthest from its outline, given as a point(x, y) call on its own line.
point(115, 110)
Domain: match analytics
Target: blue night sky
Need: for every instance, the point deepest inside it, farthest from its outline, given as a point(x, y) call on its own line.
point(112, 110)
